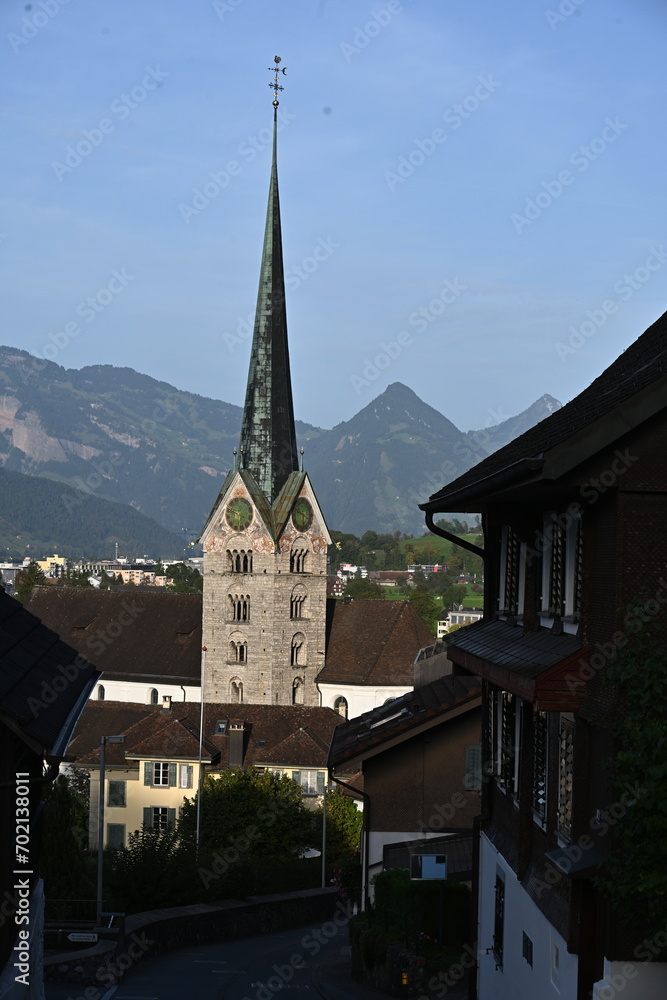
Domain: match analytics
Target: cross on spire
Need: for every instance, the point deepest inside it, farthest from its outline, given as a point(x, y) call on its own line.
point(275, 86)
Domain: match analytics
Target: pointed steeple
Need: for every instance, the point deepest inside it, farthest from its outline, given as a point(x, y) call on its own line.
point(268, 437)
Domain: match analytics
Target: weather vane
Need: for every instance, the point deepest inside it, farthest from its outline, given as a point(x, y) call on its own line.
point(275, 86)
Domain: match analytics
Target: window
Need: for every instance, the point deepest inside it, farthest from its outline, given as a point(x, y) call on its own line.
point(340, 706)
point(115, 836)
point(565, 769)
point(562, 566)
point(160, 774)
point(472, 778)
point(540, 756)
point(527, 949)
point(239, 607)
point(510, 600)
point(116, 794)
point(153, 696)
point(311, 782)
point(236, 691)
point(238, 651)
point(239, 561)
point(298, 602)
point(100, 692)
point(159, 818)
point(185, 775)
point(505, 726)
point(298, 649)
point(297, 691)
point(297, 559)
point(499, 918)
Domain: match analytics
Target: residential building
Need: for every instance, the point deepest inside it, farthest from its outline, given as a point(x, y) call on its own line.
point(148, 777)
point(421, 761)
point(575, 528)
point(44, 685)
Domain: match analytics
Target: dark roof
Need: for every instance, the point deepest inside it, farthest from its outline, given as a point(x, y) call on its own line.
point(372, 642)
point(526, 653)
point(44, 683)
point(276, 735)
point(642, 367)
point(131, 636)
point(402, 715)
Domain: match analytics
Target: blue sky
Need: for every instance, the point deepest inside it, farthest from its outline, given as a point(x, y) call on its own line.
point(472, 193)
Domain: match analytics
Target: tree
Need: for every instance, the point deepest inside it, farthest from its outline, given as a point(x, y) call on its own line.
point(634, 878)
point(263, 812)
point(66, 863)
point(183, 579)
point(26, 579)
point(454, 595)
point(344, 822)
point(427, 608)
point(363, 590)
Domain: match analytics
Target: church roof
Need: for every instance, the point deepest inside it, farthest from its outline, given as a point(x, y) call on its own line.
point(268, 436)
point(372, 642)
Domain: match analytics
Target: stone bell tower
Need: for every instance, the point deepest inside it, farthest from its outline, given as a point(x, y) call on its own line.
point(265, 541)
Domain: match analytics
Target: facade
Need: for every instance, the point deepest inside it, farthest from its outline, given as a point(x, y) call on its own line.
point(575, 529)
point(148, 777)
point(44, 685)
point(265, 542)
point(420, 758)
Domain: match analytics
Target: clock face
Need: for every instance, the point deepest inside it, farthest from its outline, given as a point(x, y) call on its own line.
point(302, 514)
point(238, 514)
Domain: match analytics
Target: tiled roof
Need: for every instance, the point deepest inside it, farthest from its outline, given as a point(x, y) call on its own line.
point(372, 642)
point(278, 735)
point(402, 715)
point(131, 635)
point(641, 365)
point(526, 653)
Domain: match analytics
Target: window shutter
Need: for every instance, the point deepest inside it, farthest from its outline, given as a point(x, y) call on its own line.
point(320, 782)
point(148, 773)
point(173, 779)
point(171, 818)
point(148, 816)
point(189, 781)
point(296, 777)
point(472, 779)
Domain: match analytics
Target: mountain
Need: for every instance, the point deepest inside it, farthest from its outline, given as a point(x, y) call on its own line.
point(127, 437)
point(40, 517)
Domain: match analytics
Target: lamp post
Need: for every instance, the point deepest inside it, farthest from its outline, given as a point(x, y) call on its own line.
point(327, 788)
point(100, 821)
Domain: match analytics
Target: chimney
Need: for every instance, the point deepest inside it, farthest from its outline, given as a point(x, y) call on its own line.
point(166, 704)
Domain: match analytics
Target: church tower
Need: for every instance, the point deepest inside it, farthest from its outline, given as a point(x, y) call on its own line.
point(265, 542)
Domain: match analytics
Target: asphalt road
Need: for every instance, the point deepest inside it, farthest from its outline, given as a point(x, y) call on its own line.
point(311, 961)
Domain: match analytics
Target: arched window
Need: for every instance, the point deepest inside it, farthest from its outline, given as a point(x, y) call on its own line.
point(340, 706)
point(100, 692)
point(236, 690)
point(297, 691)
point(151, 697)
point(297, 558)
point(239, 561)
point(298, 608)
point(238, 650)
point(298, 650)
point(238, 607)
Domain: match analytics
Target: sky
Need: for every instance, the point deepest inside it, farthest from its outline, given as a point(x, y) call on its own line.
point(472, 193)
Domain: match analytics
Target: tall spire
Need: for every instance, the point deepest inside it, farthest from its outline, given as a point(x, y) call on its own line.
point(268, 436)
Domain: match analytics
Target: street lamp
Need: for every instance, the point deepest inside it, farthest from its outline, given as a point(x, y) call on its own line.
point(327, 788)
point(100, 821)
